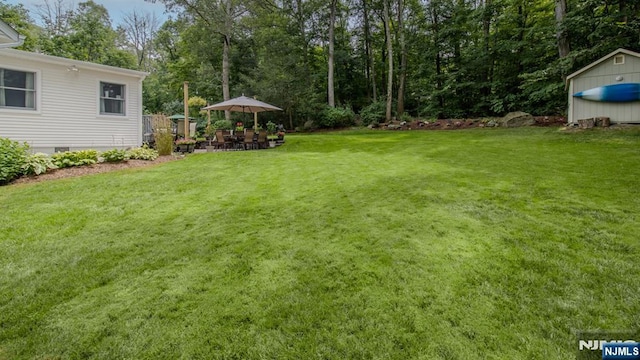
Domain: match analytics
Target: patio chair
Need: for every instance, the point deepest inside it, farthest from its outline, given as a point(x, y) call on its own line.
point(221, 141)
point(248, 139)
point(262, 142)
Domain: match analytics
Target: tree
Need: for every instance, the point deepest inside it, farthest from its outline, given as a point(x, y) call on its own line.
point(140, 30)
point(561, 34)
point(330, 81)
point(387, 32)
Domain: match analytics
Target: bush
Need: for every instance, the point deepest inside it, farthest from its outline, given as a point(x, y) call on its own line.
point(114, 156)
point(143, 153)
point(309, 125)
point(336, 117)
point(222, 124)
point(13, 156)
point(75, 158)
point(374, 113)
point(271, 127)
point(162, 134)
point(37, 164)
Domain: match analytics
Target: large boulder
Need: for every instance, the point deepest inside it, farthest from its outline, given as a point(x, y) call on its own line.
point(517, 119)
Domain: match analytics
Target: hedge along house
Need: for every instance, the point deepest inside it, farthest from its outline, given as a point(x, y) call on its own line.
point(619, 67)
point(56, 104)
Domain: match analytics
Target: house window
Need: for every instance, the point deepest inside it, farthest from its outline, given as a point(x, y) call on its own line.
point(618, 60)
point(17, 89)
point(111, 99)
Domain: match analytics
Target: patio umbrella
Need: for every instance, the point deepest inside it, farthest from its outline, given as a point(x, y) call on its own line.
point(243, 104)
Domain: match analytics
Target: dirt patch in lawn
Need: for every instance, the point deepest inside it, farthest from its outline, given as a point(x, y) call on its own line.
point(92, 169)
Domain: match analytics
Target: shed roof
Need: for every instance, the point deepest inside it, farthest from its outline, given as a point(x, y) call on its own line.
point(602, 59)
point(19, 54)
point(8, 36)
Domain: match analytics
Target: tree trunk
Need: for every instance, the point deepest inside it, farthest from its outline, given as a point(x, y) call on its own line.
point(330, 89)
point(403, 59)
point(387, 34)
point(561, 34)
point(367, 48)
point(305, 44)
point(226, 39)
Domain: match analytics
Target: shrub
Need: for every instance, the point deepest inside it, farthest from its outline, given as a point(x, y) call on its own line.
point(13, 156)
point(309, 125)
point(271, 127)
point(114, 156)
point(75, 158)
point(222, 124)
point(162, 134)
point(143, 153)
point(37, 164)
point(374, 113)
point(336, 117)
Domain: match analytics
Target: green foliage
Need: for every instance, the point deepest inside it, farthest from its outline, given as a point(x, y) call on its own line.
point(222, 124)
point(164, 142)
point(373, 113)
point(143, 153)
point(336, 117)
point(75, 158)
point(114, 156)
point(13, 156)
point(271, 127)
point(37, 164)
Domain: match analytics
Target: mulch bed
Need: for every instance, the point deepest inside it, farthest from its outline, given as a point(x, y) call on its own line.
point(92, 169)
point(455, 124)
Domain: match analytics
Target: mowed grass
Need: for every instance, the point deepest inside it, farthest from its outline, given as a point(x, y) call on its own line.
point(479, 244)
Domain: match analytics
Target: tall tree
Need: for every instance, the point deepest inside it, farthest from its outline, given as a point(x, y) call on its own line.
point(561, 34)
point(387, 32)
point(140, 29)
point(402, 73)
point(330, 80)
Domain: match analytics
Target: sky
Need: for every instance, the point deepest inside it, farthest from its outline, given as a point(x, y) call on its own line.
point(117, 8)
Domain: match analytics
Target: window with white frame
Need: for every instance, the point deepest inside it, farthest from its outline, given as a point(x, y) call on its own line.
point(17, 89)
point(112, 99)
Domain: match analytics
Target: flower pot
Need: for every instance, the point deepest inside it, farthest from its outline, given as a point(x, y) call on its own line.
point(272, 143)
point(185, 148)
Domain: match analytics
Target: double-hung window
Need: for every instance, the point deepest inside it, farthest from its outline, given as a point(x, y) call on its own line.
point(17, 89)
point(112, 99)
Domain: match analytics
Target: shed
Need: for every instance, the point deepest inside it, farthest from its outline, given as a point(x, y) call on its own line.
point(619, 67)
point(57, 104)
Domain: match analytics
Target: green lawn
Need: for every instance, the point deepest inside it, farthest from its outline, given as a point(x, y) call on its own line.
point(479, 244)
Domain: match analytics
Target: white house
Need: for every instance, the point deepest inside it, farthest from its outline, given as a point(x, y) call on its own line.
point(619, 67)
point(9, 37)
point(57, 104)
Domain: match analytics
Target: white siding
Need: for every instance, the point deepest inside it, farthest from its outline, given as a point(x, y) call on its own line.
point(605, 73)
point(68, 113)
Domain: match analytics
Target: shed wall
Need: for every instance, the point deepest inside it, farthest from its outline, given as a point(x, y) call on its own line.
point(605, 73)
point(68, 110)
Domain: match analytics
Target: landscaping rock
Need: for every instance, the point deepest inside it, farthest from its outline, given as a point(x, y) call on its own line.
point(586, 123)
point(492, 123)
point(517, 119)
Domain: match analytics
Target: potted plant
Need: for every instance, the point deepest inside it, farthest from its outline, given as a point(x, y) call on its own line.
point(185, 145)
point(239, 127)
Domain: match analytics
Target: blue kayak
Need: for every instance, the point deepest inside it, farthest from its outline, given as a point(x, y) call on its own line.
point(612, 93)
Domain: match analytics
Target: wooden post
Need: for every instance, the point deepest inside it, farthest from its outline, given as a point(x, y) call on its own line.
point(255, 118)
point(186, 109)
point(208, 120)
